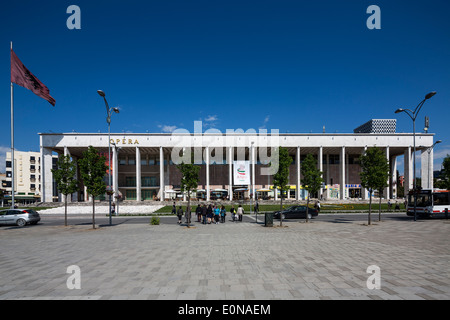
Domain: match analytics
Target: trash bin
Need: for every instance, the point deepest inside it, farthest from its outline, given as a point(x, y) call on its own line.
point(268, 221)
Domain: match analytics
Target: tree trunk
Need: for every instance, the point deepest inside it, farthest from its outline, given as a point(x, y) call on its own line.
point(188, 208)
point(370, 206)
point(65, 210)
point(281, 207)
point(93, 212)
point(379, 211)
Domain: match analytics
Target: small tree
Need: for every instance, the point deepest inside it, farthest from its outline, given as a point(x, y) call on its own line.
point(64, 176)
point(281, 178)
point(374, 174)
point(93, 170)
point(446, 172)
point(312, 178)
point(189, 181)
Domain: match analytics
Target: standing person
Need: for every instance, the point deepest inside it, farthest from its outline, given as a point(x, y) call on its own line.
point(179, 214)
point(216, 214)
point(233, 213)
point(223, 213)
point(174, 209)
point(209, 213)
point(256, 207)
point(204, 213)
point(240, 212)
point(198, 211)
point(318, 206)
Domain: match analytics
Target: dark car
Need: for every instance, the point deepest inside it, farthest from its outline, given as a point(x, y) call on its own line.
point(296, 212)
point(19, 217)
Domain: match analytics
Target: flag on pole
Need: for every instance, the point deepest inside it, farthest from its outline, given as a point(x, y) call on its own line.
point(21, 76)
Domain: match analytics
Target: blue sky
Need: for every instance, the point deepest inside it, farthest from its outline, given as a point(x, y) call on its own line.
point(295, 66)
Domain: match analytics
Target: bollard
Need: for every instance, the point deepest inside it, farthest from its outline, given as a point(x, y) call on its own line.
point(446, 213)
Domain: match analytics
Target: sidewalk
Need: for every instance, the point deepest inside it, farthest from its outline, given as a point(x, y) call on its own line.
point(318, 260)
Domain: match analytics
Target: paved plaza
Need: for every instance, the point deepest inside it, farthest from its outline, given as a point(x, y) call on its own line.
point(231, 261)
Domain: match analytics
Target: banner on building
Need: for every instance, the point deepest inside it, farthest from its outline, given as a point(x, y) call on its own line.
point(241, 172)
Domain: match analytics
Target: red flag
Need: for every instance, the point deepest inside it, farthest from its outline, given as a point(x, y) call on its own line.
point(23, 77)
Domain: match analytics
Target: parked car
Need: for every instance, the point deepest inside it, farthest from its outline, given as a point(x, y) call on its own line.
point(296, 212)
point(19, 217)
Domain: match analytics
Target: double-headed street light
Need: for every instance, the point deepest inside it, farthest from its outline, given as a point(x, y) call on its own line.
point(109, 112)
point(413, 115)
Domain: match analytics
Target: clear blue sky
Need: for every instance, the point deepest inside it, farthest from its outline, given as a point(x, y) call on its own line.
point(295, 66)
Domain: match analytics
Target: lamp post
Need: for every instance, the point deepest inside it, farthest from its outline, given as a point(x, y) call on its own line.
point(109, 112)
point(413, 115)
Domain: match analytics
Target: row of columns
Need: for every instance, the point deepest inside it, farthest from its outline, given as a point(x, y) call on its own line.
point(427, 169)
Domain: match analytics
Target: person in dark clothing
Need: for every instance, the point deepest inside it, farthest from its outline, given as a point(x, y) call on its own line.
point(179, 214)
point(204, 213)
point(198, 211)
point(209, 213)
point(174, 209)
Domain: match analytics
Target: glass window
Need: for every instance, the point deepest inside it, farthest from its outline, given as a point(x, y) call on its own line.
point(130, 181)
point(131, 161)
point(441, 199)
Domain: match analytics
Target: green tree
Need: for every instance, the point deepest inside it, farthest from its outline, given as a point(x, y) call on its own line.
point(374, 174)
point(312, 178)
point(93, 170)
point(189, 181)
point(281, 178)
point(66, 182)
point(446, 172)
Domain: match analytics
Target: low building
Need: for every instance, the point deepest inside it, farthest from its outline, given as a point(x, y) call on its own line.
point(144, 167)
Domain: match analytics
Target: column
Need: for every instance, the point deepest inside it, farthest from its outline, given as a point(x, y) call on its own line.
point(387, 194)
point(138, 174)
point(408, 171)
point(426, 168)
point(393, 177)
point(46, 175)
point(327, 181)
point(253, 171)
point(115, 174)
point(297, 182)
point(230, 173)
point(161, 174)
point(208, 196)
point(320, 160)
point(342, 173)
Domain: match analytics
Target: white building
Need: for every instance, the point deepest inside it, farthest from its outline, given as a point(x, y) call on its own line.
point(27, 176)
point(143, 165)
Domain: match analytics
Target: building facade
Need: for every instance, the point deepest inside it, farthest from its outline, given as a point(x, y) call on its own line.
point(143, 166)
point(27, 176)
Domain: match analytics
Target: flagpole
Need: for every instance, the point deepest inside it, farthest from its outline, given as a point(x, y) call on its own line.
point(12, 141)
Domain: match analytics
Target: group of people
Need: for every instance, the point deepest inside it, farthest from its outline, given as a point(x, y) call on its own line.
point(208, 214)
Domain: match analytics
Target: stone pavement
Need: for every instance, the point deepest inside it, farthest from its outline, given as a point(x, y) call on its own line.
point(246, 261)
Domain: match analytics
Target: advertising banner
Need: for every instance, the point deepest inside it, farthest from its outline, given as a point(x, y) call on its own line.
point(241, 172)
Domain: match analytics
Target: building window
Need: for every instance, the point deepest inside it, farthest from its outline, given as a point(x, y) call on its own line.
point(130, 195)
point(149, 182)
point(130, 181)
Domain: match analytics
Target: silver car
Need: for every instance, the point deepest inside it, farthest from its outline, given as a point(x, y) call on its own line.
point(19, 217)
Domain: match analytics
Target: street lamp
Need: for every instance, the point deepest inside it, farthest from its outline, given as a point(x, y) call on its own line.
point(413, 116)
point(109, 112)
